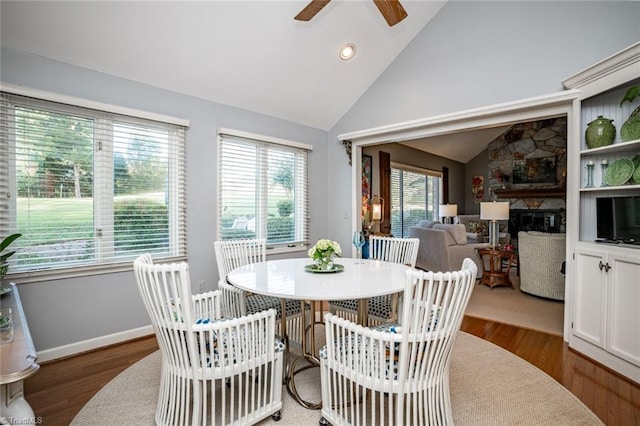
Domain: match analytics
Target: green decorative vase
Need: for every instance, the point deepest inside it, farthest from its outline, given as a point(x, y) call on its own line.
point(600, 132)
point(630, 130)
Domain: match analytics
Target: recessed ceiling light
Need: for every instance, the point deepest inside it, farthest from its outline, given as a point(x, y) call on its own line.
point(347, 51)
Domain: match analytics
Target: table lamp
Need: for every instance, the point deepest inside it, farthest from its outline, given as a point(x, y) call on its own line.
point(493, 212)
point(447, 211)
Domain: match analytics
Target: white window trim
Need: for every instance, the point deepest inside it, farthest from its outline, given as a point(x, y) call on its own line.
point(420, 170)
point(261, 138)
point(95, 269)
point(86, 103)
point(279, 249)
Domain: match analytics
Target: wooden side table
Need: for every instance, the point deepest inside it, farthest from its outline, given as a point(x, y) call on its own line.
point(496, 275)
point(515, 261)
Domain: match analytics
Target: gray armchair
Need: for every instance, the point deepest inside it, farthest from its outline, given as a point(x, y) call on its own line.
point(541, 255)
point(473, 226)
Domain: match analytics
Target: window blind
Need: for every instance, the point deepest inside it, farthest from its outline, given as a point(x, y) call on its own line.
point(263, 190)
point(87, 187)
point(415, 196)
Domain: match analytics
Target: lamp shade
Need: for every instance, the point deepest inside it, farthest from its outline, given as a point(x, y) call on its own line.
point(448, 210)
point(376, 208)
point(494, 210)
point(376, 213)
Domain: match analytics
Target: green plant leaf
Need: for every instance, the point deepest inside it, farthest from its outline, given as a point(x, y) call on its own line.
point(5, 256)
point(8, 240)
point(4, 244)
point(631, 94)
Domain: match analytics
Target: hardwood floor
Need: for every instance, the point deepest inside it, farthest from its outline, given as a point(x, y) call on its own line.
point(615, 400)
point(61, 388)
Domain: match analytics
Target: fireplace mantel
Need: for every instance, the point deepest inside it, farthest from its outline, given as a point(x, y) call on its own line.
point(556, 192)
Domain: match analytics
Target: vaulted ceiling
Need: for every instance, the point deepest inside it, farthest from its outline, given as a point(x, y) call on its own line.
point(247, 54)
point(459, 146)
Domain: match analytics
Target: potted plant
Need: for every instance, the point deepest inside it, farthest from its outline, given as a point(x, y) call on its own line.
point(631, 128)
point(5, 255)
point(322, 254)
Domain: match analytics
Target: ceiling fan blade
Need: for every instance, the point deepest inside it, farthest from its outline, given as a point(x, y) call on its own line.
point(311, 10)
point(392, 11)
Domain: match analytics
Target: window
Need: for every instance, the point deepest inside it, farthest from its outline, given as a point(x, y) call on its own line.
point(88, 188)
point(415, 196)
point(262, 189)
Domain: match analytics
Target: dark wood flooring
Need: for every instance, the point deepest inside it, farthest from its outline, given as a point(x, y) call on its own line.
point(61, 388)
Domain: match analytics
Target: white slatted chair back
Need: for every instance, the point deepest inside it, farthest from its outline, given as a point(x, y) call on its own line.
point(201, 352)
point(231, 254)
point(382, 308)
point(396, 250)
point(397, 375)
point(234, 300)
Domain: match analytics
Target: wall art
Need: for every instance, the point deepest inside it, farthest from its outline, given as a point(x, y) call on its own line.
point(477, 187)
point(367, 164)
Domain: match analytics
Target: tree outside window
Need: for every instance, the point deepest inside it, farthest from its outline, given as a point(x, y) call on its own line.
point(90, 187)
point(262, 191)
point(415, 196)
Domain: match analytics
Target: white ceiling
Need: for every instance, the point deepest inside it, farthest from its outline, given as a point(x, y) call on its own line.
point(247, 54)
point(459, 146)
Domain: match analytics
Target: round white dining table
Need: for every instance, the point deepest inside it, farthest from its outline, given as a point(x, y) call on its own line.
point(287, 278)
point(360, 279)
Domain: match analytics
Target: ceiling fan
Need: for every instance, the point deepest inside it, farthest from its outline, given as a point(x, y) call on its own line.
point(391, 10)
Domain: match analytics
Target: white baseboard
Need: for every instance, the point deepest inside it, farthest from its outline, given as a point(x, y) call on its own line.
point(95, 343)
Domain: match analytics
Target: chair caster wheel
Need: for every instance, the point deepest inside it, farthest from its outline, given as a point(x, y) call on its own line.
point(276, 416)
point(323, 422)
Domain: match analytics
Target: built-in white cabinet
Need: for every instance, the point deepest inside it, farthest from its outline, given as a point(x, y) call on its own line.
point(607, 296)
point(603, 280)
point(589, 318)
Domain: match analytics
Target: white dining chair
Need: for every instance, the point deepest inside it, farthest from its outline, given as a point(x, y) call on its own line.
point(214, 370)
point(231, 254)
point(397, 374)
point(381, 308)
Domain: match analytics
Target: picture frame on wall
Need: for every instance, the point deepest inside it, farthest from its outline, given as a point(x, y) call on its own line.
point(477, 187)
point(534, 170)
point(367, 166)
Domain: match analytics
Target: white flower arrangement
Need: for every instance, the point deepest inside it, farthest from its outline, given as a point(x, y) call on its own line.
point(325, 249)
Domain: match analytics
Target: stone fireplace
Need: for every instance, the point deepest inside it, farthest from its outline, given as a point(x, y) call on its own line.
point(535, 220)
point(528, 168)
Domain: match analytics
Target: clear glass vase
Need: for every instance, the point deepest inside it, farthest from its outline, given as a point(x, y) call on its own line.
point(325, 263)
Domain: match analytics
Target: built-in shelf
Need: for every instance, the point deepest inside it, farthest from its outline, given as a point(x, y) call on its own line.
point(608, 188)
point(531, 193)
point(616, 147)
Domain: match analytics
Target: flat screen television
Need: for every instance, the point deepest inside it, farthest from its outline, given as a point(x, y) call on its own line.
point(618, 219)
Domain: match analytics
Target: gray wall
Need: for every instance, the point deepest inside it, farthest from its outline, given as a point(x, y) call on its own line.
point(475, 54)
point(477, 166)
point(414, 157)
point(71, 310)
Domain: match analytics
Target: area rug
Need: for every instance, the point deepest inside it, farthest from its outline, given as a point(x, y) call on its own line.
point(489, 386)
point(511, 306)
